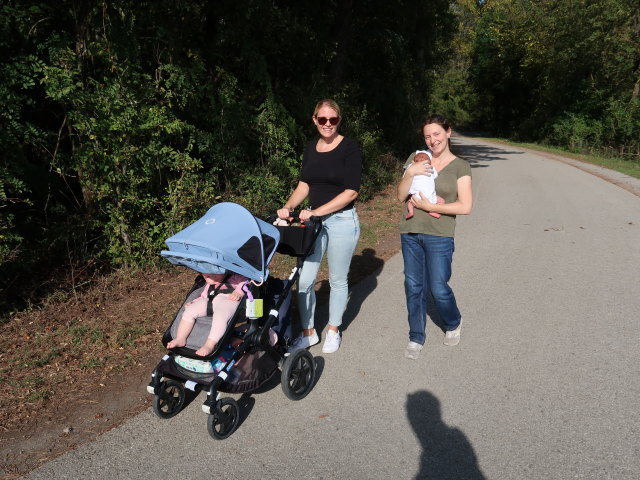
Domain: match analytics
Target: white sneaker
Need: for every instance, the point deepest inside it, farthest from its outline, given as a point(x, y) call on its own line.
point(452, 337)
point(413, 350)
point(331, 341)
point(304, 342)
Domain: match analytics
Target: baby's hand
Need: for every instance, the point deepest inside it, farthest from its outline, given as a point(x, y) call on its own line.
point(235, 296)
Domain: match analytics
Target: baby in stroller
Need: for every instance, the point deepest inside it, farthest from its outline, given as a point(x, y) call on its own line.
point(230, 249)
point(228, 290)
point(224, 304)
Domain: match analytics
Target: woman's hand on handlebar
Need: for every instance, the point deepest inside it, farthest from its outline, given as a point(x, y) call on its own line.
point(306, 215)
point(284, 213)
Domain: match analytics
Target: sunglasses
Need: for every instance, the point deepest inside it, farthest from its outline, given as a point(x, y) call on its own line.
point(324, 120)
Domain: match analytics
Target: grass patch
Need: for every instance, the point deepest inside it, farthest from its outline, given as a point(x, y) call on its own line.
point(46, 357)
point(368, 236)
point(91, 362)
point(77, 334)
point(97, 335)
point(127, 336)
point(38, 396)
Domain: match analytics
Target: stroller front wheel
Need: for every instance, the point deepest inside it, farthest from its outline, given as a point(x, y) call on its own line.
point(298, 374)
point(170, 400)
point(224, 421)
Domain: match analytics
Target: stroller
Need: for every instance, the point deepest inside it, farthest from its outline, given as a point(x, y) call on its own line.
point(228, 237)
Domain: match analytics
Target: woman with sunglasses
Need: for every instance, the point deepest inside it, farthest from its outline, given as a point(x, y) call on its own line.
point(330, 178)
point(427, 241)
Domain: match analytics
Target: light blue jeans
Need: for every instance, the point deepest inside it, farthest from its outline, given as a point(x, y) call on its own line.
point(338, 238)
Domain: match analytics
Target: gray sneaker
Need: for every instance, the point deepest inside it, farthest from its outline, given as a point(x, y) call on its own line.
point(304, 342)
point(452, 337)
point(413, 350)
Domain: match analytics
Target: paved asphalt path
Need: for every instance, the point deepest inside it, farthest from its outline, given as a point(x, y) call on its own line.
point(545, 383)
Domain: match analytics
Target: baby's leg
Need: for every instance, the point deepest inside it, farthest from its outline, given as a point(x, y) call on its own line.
point(409, 210)
point(192, 311)
point(223, 310)
point(440, 201)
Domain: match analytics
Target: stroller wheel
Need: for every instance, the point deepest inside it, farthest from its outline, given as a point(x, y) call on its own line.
point(224, 421)
point(170, 401)
point(298, 374)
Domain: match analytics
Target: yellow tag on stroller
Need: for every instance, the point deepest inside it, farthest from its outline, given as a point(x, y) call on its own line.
point(254, 308)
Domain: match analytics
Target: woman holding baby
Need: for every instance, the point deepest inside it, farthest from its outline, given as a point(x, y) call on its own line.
point(427, 239)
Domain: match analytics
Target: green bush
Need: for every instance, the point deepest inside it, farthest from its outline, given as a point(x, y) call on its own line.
point(577, 132)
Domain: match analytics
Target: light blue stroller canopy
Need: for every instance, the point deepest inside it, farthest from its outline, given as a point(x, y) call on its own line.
point(227, 237)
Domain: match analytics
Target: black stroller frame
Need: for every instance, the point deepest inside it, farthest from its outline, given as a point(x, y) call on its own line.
point(251, 347)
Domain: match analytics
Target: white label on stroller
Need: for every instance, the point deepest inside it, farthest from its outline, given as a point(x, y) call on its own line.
point(254, 308)
point(191, 385)
point(274, 313)
point(223, 375)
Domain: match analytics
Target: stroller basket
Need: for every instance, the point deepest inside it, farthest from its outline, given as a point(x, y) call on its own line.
point(296, 240)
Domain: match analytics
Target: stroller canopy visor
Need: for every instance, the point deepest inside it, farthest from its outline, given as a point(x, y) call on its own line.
point(227, 237)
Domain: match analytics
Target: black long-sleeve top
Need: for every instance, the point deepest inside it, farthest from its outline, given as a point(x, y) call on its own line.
point(330, 173)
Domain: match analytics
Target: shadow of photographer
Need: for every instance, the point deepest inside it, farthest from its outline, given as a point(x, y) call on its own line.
point(446, 451)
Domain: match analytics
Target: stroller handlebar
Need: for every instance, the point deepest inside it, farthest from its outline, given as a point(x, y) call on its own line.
point(294, 217)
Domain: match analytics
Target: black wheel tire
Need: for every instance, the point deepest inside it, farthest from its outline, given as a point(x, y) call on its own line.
point(224, 421)
point(298, 374)
point(170, 401)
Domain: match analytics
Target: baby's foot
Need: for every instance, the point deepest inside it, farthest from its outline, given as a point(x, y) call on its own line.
point(177, 342)
point(205, 349)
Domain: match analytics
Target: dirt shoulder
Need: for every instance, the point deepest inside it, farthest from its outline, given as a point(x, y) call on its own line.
point(78, 366)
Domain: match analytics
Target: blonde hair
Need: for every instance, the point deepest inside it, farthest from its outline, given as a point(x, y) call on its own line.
point(329, 103)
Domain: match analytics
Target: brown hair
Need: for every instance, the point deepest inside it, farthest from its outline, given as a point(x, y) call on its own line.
point(438, 119)
point(329, 103)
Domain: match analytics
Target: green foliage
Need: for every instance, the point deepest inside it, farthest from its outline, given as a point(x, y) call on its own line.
point(561, 71)
point(578, 132)
point(123, 121)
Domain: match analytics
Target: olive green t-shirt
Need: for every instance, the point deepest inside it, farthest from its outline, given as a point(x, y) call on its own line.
point(447, 188)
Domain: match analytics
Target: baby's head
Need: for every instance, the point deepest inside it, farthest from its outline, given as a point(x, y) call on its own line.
point(422, 157)
point(213, 277)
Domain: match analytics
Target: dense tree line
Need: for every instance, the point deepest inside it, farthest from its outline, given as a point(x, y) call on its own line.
point(562, 72)
point(123, 120)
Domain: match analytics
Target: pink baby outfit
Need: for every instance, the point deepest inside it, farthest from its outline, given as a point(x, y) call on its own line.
point(223, 307)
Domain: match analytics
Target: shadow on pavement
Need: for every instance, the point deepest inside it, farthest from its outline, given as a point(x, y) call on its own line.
point(474, 154)
point(446, 452)
point(363, 272)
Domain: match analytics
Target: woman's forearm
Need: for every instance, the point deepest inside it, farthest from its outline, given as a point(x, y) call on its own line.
point(403, 188)
point(297, 197)
point(462, 205)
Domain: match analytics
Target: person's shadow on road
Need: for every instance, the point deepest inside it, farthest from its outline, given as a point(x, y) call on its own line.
point(446, 452)
point(363, 273)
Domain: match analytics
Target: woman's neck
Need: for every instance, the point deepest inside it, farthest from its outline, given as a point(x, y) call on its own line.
point(326, 144)
point(441, 160)
point(330, 140)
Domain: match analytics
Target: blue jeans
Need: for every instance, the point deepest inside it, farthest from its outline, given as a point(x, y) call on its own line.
point(427, 268)
point(338, 238)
